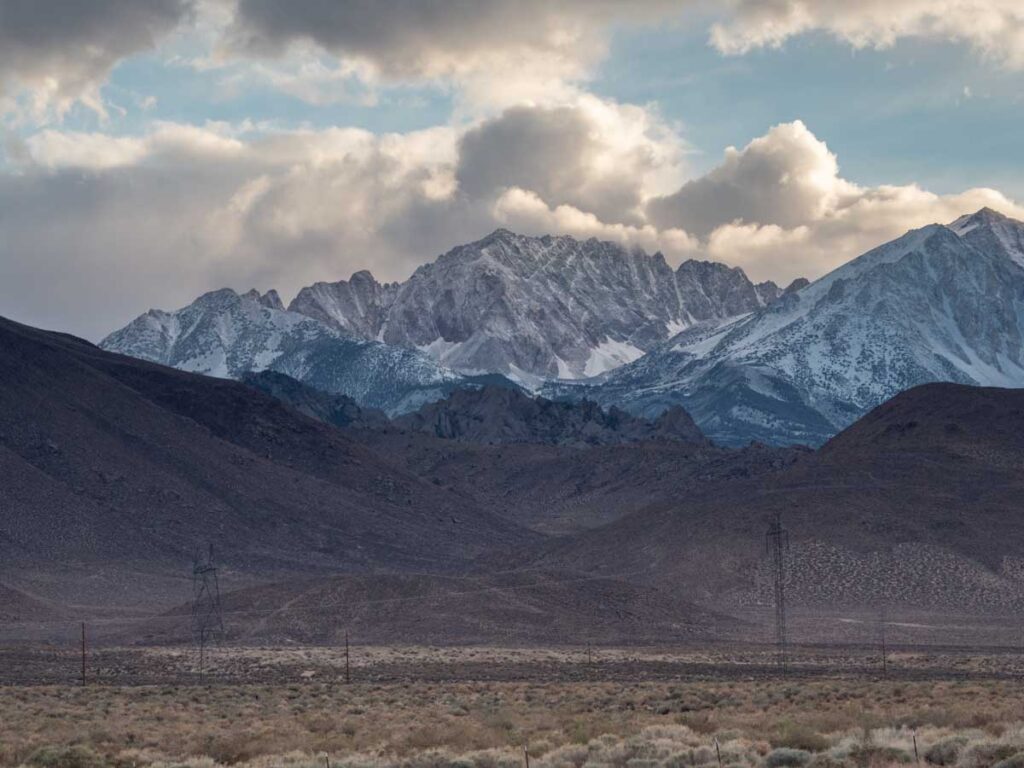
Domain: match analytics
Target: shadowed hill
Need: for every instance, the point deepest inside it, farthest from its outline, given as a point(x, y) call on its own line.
point(528, 607)
point(917, 504)
point(115, 468)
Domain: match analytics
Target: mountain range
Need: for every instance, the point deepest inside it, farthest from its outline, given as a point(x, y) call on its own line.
point(117, 468)
point(942, 303)
point(589, 320)
point(535, 308)
point(506, 306)
point(228, 335)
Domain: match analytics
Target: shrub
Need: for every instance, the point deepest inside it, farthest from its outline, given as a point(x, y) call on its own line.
point(785, 757)
point(945, 752)
point(987, 754)
point(800, 737)
point(1014, 761)
point(65, 757)
point(868, 755)
point(826, 760)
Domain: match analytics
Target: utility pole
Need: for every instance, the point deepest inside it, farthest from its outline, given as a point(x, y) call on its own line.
point(83, 654)
point(207, 618)
point(348, 667)
point(776, 545)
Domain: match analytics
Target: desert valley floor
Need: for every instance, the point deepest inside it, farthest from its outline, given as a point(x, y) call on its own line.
point(490, 707)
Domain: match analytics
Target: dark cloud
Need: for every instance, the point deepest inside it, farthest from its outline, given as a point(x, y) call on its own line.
point(65, 48)
point(414, 38)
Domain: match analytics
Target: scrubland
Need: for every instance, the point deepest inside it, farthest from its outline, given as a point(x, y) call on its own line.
point(316, 721)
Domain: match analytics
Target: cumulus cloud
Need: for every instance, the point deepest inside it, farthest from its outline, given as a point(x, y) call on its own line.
point(993, 27)
point(238, 205)
point(786, 177)
point(523, 211)
point(780, 209)
point(155, 220)
point(497, 53)
point(61, 52)
point(503, 52)
point(597, 156)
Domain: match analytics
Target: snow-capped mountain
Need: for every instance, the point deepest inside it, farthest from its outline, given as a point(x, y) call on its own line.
point(536, 308)
point(227, 334)
point(942, 303)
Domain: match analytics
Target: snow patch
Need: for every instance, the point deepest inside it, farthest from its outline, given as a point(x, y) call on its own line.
point(607, 356)
point(564, 370)
point(675, 327)
point(440, 349)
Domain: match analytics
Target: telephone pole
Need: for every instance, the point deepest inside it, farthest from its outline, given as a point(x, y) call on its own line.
point(207, 618)
point(776, 545)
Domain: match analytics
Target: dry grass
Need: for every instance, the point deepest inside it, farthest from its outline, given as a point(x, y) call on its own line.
point(658, 724)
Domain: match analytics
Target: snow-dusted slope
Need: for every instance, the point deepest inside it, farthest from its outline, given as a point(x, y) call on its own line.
point(938, 304)
point(227, 335)
point(536, 307)
point(357, 306)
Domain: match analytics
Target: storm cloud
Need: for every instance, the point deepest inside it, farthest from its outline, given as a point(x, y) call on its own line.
point(63, 51)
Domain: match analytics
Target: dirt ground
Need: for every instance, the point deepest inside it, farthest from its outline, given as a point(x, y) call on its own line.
point(24, 665)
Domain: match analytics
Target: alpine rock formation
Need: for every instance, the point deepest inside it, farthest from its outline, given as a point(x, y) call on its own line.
point(228, 335)
point(536, 308)
point(528, 308)
point(941, 303)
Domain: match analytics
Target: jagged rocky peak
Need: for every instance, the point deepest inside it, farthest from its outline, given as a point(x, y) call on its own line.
point(796, 285)
point(713, 291)
point(270, 299)
point(505, 415)
point(991, 230)
point(536, 308)
point(358, 306)
point(228, 335)
point(983, 217)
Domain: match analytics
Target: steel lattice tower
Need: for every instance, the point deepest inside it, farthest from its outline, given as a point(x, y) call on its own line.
point(207, 619)
point(776, 545)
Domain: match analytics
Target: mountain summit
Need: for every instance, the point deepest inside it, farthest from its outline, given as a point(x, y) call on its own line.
point(941, 303)
point(536, 308)
point(228, 335)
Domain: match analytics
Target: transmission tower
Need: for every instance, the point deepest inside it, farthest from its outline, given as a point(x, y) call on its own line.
point(776, 545)
point(207, 618)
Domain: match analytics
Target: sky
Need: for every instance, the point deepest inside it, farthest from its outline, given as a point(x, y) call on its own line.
point(152, 150)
